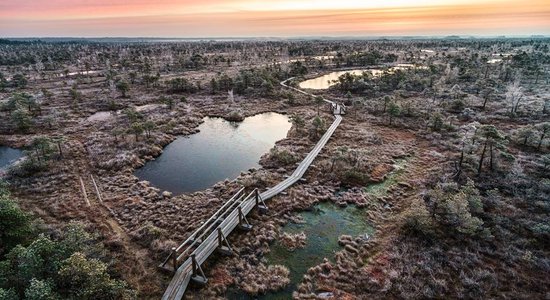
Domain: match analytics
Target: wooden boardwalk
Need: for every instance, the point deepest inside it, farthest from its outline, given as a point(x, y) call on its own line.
point(211, 236)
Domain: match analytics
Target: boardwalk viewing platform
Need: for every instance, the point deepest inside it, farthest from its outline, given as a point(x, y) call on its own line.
point(187, 259)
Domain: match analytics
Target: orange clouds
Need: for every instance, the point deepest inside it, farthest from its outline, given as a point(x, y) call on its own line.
point(457, 19)
point(71, 9)
point(188, 18)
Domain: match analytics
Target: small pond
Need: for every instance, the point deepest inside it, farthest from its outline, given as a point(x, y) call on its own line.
point(326, 81)
point(322, 226)
point(8, 156)
point(220, 150)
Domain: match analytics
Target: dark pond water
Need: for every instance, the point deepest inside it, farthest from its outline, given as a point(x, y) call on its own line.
point(220, 150)
point(8, 156)
point(322, 226)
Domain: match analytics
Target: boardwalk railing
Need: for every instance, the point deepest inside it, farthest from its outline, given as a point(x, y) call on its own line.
point(211, 236)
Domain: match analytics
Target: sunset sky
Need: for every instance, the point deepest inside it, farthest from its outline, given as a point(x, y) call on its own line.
point(278, 18)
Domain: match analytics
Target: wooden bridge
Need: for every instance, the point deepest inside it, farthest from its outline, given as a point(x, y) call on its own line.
point(186, 260)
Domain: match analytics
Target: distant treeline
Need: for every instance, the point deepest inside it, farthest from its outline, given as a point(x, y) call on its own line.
point(12, 42)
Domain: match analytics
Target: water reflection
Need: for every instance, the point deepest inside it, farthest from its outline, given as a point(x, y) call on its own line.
point(323, 226)
point(326, 81)
point(220, 150)
point(8, 156)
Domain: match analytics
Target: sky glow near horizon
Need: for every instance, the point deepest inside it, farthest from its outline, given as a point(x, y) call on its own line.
point(280, 18)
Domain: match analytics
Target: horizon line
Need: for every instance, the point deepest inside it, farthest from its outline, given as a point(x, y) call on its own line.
point(539, 35)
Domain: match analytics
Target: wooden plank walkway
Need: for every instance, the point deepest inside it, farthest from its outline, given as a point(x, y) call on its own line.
point(197, 248)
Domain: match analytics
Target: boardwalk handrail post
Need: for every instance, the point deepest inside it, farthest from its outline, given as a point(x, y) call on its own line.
point(220, 237)
point(262, 207)
point(199, 278)
point(243, 221)
point(194, 263)
point(240, 215)
point(174, 259)
point(224, 249)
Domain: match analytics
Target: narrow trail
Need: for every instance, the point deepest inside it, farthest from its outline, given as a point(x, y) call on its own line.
point(95, 199)
point(231, 215)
